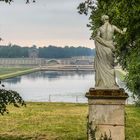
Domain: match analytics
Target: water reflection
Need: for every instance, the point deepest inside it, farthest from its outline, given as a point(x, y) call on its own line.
point(53, 75)
point(14, 80)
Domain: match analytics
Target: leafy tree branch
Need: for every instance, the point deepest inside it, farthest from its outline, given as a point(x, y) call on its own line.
point(123, 13)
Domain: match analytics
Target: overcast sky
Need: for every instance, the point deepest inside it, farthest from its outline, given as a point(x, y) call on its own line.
point(46, 22)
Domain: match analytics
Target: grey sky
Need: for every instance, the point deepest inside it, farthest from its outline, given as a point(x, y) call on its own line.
point(46, 22)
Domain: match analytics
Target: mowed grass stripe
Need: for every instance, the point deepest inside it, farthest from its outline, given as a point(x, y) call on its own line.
point(16, 72)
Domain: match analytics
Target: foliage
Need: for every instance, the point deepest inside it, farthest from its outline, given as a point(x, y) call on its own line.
point(91, 132)
point(133, 78)
point(122, 13)
point(8, 97)
point(10, 51)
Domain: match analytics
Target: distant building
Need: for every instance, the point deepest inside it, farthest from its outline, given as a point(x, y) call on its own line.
point(81, 60)
point(33, 52)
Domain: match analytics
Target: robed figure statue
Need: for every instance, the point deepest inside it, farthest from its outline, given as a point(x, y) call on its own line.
point(104, 59)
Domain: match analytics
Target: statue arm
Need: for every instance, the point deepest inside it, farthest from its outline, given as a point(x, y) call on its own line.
point(119, 30)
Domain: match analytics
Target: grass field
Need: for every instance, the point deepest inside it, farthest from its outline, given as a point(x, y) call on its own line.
point(8, 70)
point(56, 121)
point(13, 72)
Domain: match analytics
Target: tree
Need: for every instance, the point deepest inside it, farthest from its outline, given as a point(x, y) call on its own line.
point(10, 51)
point(123, 13)
point(8, 97)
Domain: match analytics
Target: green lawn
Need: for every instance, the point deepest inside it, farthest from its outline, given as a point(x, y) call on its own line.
point(56, 121)
point(8, 70)
point(132, 123)
point(13, 72)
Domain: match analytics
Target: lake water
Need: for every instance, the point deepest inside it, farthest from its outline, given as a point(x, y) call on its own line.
point(53, 86)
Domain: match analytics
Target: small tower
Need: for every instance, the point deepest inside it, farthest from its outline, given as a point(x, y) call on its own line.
point(33, 52)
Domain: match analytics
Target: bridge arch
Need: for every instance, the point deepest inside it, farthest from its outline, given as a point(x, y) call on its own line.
point(53, 62)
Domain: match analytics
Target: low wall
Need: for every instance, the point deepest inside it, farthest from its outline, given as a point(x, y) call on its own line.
point(45, 62)
point(21, 61)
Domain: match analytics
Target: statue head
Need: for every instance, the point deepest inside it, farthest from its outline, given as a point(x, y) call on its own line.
point(105, 18)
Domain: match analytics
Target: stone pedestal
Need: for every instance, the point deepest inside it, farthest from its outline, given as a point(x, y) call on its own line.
point(106, 119)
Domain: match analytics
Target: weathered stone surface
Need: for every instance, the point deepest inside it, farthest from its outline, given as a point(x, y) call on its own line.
point(107, 113)
point(106, 94)
point(106, 102)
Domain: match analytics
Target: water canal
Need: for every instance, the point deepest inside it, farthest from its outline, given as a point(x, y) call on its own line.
point(54, 86)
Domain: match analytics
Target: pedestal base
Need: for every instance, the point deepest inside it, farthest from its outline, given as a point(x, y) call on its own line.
point(106, 119)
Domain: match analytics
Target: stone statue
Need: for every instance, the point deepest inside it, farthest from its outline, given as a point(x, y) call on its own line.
point(104, 59)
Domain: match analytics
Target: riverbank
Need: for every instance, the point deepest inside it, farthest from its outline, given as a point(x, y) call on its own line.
point(56, 121)
point(68, 68)
point(6, 73)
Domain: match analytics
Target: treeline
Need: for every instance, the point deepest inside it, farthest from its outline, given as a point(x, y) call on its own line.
point(15, 51)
